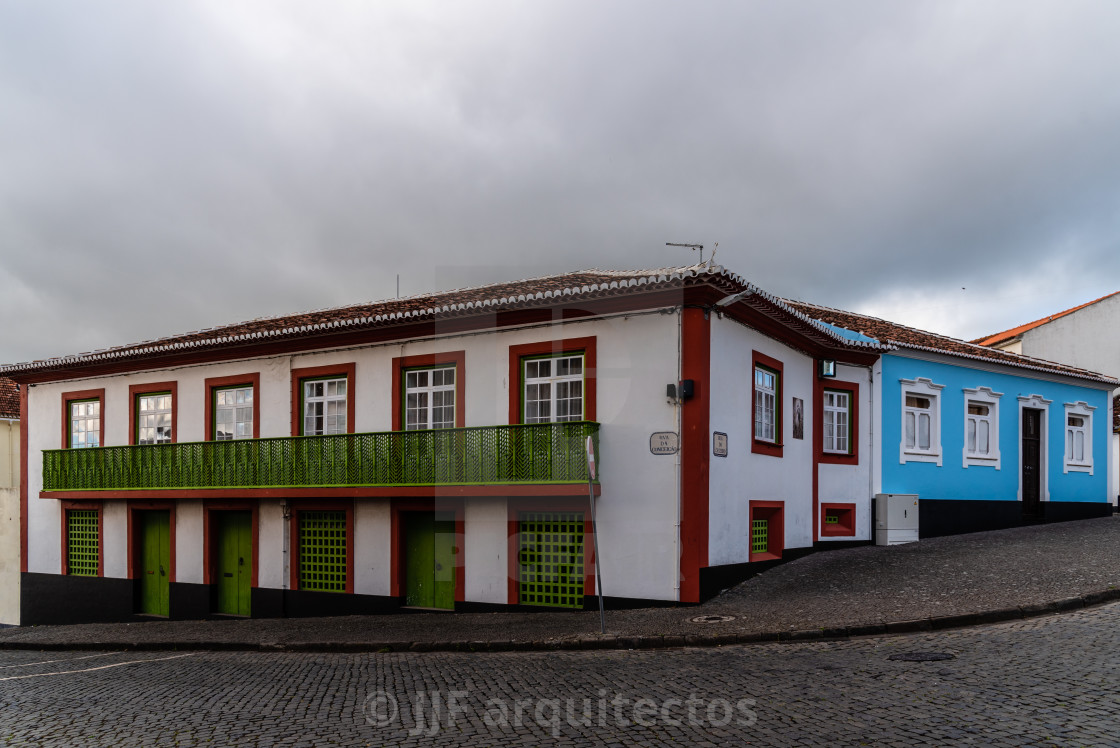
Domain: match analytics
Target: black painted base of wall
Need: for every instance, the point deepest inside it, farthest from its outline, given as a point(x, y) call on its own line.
point(939, 517)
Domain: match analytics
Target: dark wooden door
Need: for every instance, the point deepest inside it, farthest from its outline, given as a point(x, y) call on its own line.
point(1032, 463)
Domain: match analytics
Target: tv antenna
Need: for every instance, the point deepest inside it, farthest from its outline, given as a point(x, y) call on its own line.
point(690, 246)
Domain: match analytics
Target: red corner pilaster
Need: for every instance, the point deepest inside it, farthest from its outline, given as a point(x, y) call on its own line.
point(23, 454)
point(695, 415)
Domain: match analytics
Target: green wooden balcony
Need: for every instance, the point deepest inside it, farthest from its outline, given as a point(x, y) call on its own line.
point(489, 455)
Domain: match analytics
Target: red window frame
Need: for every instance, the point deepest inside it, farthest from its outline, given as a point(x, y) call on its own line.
point(852, 388)
point(322, 506)
point(845, 527)
point(83, 505)
point(586, 346)
point(760, 446)
point(73, 397)
point(135, 391)
point(454, 358)
point(241, 380)
point(318, 372)
point(773, 511)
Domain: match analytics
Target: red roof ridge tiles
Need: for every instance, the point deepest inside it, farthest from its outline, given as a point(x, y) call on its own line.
point(1000, 337)
point(914, 338)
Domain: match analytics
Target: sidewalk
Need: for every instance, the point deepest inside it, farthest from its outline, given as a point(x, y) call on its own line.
point(935, 583)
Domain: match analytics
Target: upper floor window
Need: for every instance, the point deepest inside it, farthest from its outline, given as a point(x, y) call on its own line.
point(921, 421)
point(765, 404)
point(85, 423)
point(981, 427)
point(154, 418)
point(1079, 437)
point(429, 396)
point(554, 389)
point(233, 413)
point(324, 406)
point(837, 421)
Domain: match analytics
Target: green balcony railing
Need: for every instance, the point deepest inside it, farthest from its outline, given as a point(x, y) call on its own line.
point(497, 455)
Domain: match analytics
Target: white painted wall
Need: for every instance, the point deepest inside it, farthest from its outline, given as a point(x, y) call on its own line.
point(851, 484)
point(637, 356)
point(743, 476)
point(1085, 338)
point(9, 521)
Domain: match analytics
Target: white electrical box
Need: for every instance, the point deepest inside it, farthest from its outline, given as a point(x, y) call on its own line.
point(896, 518)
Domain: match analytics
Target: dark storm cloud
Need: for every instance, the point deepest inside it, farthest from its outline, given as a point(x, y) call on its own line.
point(178, 166)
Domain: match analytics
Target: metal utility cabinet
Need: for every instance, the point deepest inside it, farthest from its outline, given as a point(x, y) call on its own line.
point(896, 518)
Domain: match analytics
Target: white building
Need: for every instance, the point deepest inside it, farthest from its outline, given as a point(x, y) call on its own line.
point(428, 452)
point(9, 502)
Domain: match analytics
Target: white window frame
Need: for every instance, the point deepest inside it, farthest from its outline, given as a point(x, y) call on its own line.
point(429, 391)
point(150, 415)
point(982, 396)
point(761, 395)
point(1084, 410)
point(90, 424)
point(920, 387)
point(552, 382)
point(829, 414)
point(1036, 402)
point(233, 409)
point(325, 400)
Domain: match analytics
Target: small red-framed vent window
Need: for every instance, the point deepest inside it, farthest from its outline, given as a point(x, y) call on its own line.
point(767, 531)
point(838, 520)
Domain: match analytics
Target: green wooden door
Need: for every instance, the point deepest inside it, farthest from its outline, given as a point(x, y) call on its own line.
point(155, 562)
point(429, 561)
point(234, 557)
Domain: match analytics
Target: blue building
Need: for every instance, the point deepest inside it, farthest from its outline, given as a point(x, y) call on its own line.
point(987, 439)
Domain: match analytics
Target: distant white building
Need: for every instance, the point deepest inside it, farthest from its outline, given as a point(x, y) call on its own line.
point(9, 502)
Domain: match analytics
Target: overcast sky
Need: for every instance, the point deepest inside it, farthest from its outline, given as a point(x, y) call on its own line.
point(171, 166)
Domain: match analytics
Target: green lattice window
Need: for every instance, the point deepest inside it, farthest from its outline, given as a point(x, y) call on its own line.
point(760, 535)
point(82, 542)
point(831, 518)
point(322, 551)
point(551, 559)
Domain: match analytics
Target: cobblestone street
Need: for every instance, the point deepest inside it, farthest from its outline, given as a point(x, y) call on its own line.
point(1043, 681)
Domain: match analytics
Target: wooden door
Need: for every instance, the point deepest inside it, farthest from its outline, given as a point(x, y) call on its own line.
point(1032, 463)
point(429, 561)
point(155, 562)
point(233, 548)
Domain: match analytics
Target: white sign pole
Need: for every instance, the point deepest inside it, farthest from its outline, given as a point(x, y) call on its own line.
point(595, 532)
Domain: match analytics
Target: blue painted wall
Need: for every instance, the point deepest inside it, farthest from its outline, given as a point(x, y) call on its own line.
point(952, 480)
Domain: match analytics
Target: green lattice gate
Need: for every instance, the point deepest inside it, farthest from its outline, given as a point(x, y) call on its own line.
point(322, 551)
point(81, 542)
point(551, 559)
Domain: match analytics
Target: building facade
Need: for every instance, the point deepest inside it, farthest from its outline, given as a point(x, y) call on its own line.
point(986, 438)
point(9, 502)
point(430, 453)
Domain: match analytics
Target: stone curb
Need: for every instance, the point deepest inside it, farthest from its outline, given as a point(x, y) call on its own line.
point(609, 641)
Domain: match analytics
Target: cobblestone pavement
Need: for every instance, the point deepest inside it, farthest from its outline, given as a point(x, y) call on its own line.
point(1044, 681)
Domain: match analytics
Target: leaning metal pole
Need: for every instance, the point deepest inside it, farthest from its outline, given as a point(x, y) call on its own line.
point(595, 532)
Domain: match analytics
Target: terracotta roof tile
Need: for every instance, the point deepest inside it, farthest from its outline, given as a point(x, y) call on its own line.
point(909, 337)
point(9, 399)
point(545, 291)
point(1006, 335)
